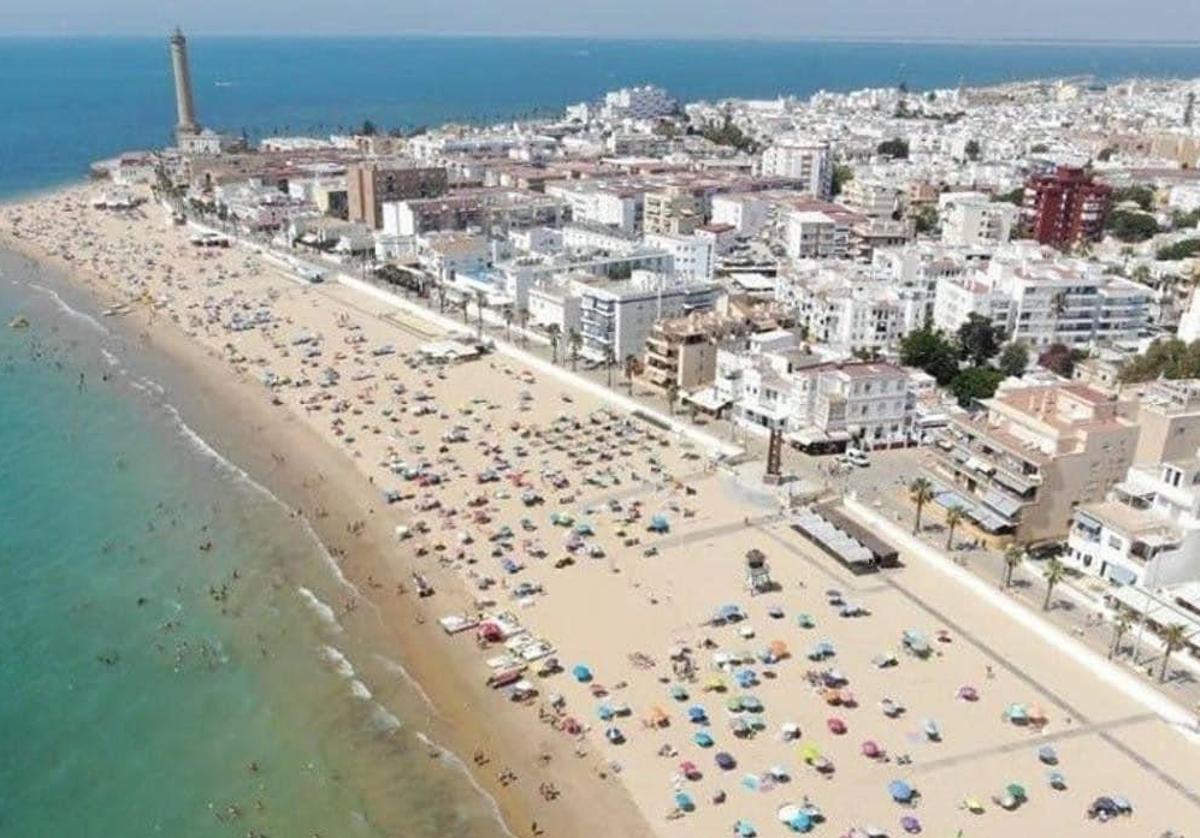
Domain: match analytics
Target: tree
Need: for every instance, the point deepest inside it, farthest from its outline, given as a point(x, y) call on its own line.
point(1106, 153)
point(842, 174)
point(1143, 196)
point(523, 322)
point(1014, 554)
point(895, 148)
point(1173, 637)
point(726, 133)
point(1061, 359)
point(555, 336)
point(972, 149)
point(1015, 196)
point(1014, 358)
point(480, 303)
point(921, 493)
point(930, 350)
point(672, 394)
point(575, 341)
point(1039, 148)
point(954, 517)
point(1131, 227)
point(1167, 358)
point(368, 128)
point(979, 339)
point(1121, 627)
point(1185, 249)
point(633, 368)
point(975, 383)
point(926, 219)
point(1053, 573)
point(610, 361)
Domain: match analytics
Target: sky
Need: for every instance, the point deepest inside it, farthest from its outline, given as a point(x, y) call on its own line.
point(1153, 20)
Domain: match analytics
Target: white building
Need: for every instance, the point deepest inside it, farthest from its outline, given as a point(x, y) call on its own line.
point(1040, 298)
point(747, 212)
point(617, 317)
point(1147, 532)
point(972, 219)
point(812, 234)
point(609, 206)
point(874, 197)
point(693, 255)
point(804, 160)
point(645, 102)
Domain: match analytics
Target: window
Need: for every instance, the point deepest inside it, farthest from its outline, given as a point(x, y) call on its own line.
point(1116, 542)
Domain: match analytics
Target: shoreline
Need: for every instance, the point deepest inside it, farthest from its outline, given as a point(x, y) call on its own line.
point(231, 415)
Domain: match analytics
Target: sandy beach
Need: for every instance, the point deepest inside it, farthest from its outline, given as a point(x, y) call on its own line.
point(581, 534)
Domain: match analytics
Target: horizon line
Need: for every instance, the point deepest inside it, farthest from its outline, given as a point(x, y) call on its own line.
point(916, 40)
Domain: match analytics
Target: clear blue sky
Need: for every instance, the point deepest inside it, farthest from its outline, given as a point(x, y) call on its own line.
point(967, 19)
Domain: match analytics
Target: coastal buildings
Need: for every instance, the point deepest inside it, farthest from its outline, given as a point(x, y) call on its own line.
point(1035, 453)
point(806, 161)
point(1065, 208)
point(370, 185)
point(617, 317)
point(1040, 299)
point(973, 219)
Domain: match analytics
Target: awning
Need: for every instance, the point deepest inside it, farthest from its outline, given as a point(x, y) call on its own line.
point(1120, 575)
point(1002, 503)
point(812, 436)
point(980, 465)
point(707, 399)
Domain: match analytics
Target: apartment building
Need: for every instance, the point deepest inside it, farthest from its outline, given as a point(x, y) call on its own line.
point(973, 219)
point(693, 256)
point(1147, 532)
point(1041, 300)
point(681, 352)
point(617, 317)
point(874, 197)
point(1066, 207)
point(492, 211)
point(808, 162)
point(1036, 453)
point(609, 206)
point(370, 185)
point(819, 234)
point(672, 211)
point(747, 213)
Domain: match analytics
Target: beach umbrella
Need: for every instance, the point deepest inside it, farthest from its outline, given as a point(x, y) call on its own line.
point(746, 678)
point(751, 782)
point(581, 673)
point(779, 649)
point(751, 703)
point(684, 801)
point(614, 735)
point(679, 693)
point(805, 621)
point(715, 683)
point(1015, 790)
point(900, 791)
point(1056, 780)
point(725, 761)
point(871, 749)
point(931, 730)
point(689, 769)
point(836, 725)
point(789, 730)
point(702, 738)
point(697, 714)
point(605, 712)
point(810, 753)
point(745, 829)
point(968, 693)
point(1048, 755)
point(756, 721)
point(775, 612)
point(972, 805)
point(739, 725)
point(733, 704)
point(1122, 804)
point(786, 812)
point(910, 824)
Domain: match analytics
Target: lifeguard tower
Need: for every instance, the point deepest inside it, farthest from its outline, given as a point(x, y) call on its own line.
point(758, 573)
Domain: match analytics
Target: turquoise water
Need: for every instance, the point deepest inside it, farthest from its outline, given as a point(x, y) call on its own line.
point(168, 667)
point(67, 102)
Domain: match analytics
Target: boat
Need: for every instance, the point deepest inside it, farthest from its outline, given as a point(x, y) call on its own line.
point(19, 322)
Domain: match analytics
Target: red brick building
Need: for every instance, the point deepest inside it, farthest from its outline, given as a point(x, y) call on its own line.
point(1066, 207)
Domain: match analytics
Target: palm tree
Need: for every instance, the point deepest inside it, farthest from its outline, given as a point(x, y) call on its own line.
point(632, 367)
point(441, 292)
point(1173, 636)
point(1054, 573)
point(610, 361)
point(508, 320)
point(480, 302)
point(1014, 554)
point(921, 492)
point(575, 341)
point(672, 394)
point(954, 517)
point(555, 333)
point(523, 322)
point(1121, 627)
point(464, 308)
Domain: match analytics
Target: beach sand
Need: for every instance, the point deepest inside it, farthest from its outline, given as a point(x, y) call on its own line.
point(329, 445)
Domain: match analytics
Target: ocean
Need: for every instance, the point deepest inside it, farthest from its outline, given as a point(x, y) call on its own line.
point(67, 102)
point(172, 652)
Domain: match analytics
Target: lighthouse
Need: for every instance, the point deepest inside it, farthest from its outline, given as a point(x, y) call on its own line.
point(184, 105)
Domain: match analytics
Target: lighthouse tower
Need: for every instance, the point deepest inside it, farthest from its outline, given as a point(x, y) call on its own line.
point(184, 105)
